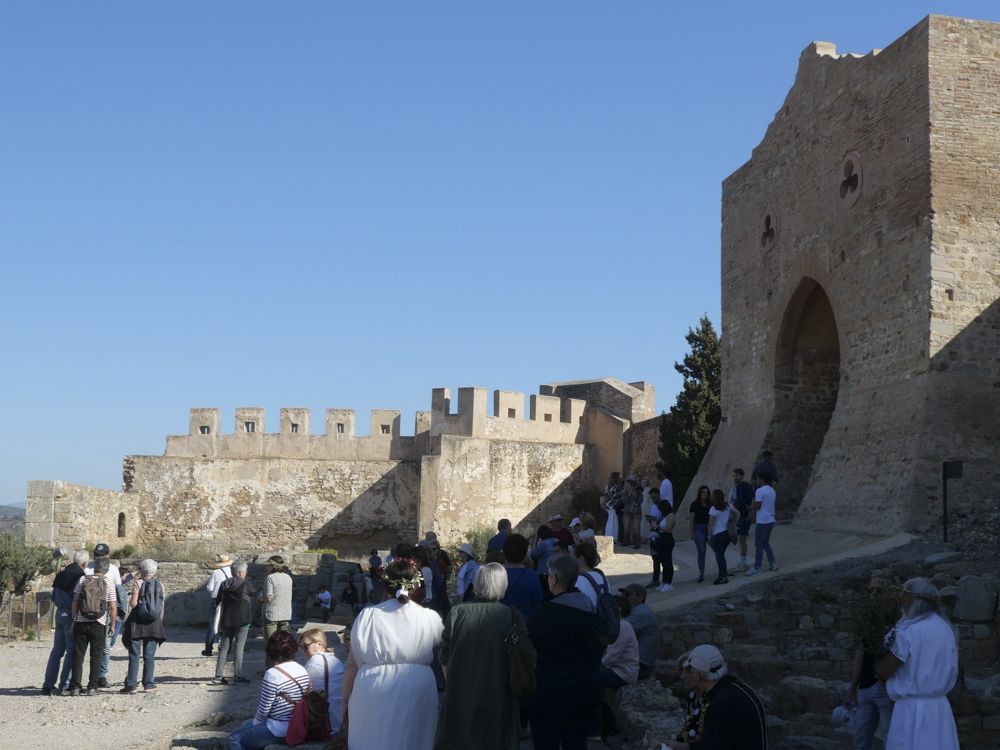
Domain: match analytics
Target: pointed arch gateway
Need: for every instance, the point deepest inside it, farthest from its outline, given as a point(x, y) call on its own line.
point(806, 384)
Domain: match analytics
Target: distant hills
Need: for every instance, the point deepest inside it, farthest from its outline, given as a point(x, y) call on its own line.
point(12, 518)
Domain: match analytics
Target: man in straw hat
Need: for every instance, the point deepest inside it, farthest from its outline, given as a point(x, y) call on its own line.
point(221, 570)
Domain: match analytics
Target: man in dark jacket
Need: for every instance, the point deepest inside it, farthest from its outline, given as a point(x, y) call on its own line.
point(736, 719)
point(564, 633)
point(62, 643)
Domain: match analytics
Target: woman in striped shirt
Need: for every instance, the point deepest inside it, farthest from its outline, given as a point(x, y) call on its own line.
point(283, 686)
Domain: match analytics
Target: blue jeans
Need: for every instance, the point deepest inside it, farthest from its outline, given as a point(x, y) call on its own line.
point(62, 649)
point(762, 544)
point(145, 648)
point(701, 542)
point(874, 709)
point(251, 736)
point(106, 656)
point(210, 634)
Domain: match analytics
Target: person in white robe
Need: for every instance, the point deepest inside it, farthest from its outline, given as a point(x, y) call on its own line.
point(390, 692)
point(919, 672)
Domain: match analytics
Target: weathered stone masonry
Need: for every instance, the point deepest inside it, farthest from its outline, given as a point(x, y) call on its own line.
point(860, 284)
point(250, 489)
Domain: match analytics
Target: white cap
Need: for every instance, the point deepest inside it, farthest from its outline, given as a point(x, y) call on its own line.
point(706, 658)
point(467, 549)
point(576, 522)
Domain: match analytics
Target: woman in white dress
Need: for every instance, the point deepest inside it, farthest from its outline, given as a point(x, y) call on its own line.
point(390, 694)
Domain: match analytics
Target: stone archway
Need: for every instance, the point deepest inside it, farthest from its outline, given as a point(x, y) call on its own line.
point(806, 383)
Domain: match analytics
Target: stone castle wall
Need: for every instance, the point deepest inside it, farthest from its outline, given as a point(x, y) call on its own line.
point(464, 468)
point(74, 516)
point(962, 419)
point(858, 311)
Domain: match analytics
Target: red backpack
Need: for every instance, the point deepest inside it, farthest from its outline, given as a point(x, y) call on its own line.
point(311, 715)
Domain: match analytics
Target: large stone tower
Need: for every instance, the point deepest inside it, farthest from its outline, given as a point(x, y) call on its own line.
point(860, 284)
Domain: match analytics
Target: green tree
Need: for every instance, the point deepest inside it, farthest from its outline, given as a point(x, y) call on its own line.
point(687, 429)
point(20, 563)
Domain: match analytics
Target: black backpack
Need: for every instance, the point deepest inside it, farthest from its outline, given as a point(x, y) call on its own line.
point(150, 606)
point(608, 615)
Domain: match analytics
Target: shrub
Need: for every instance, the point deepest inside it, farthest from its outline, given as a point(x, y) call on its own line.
point(20, 563)
point(127, 551)
point(479, 537)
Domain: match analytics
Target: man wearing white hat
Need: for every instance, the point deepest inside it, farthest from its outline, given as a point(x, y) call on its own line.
point(466, 572)
point(221, 570)
point(560, 532)
point(737, 720)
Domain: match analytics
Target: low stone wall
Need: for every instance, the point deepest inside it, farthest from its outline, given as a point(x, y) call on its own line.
point(188, 602)
point(789, 639)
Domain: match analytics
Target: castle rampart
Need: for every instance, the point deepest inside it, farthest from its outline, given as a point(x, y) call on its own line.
point(252, 488)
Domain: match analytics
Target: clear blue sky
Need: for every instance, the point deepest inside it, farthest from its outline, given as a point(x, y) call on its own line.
point(345, 205)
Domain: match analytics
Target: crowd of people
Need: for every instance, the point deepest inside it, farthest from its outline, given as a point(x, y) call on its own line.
point(639, 513)
point(529, 639)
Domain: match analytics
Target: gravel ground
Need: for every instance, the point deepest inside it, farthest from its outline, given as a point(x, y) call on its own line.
point(184, 698)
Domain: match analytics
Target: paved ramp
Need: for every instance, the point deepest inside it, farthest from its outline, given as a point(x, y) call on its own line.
point(795, 549)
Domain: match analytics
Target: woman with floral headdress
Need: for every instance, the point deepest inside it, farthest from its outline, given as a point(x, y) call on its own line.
point(390, 693)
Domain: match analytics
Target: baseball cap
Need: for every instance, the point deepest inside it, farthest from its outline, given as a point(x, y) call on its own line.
point(705, 658)
point(556, 517)
point(634, 588)
point(102, 550)
point(575, 522)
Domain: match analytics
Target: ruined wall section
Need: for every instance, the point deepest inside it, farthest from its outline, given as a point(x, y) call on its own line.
point(786, 223)
point(74, 516)
point(963, 406)
point(473, 482)
point(245, 504)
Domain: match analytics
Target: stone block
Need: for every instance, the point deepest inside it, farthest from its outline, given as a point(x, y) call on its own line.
point(940, 558)
point(797, 694)
point(805, 623)
point(976, 600)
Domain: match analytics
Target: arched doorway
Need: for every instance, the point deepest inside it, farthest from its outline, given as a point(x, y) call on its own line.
point(806, 382)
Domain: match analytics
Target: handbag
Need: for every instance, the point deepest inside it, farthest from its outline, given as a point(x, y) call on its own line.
point(520, 661)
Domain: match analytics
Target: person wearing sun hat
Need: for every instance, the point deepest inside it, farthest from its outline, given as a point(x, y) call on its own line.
point(221, 570)
point(737, 719)
point(277, 598)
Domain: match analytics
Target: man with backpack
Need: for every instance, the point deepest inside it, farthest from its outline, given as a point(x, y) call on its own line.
point(221, 571)
point(62, 644)
point(114, 575)
point(94, 612)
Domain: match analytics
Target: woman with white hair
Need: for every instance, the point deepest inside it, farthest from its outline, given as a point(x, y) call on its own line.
point(143, 629)
point(479, 710)
point(919, 672)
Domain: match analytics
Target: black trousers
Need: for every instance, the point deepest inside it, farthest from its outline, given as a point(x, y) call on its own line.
point(663, 558)
point(87, 634)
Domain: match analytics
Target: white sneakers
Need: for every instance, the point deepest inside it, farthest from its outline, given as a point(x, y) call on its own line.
point(665, 587)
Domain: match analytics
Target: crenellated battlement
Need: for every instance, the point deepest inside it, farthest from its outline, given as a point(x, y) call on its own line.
point(564, 413)
point(294, 438)
point(548, 419)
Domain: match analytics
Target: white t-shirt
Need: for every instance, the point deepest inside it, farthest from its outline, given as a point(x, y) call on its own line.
point(114, 575)
point(215, 580)
point(721, 519)
point(667, 491)
point(334, 687)
point(765, 496)
point(587, 589)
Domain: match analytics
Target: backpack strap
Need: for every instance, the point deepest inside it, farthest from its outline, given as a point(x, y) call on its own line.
point(294, 682)
point(603, 588)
